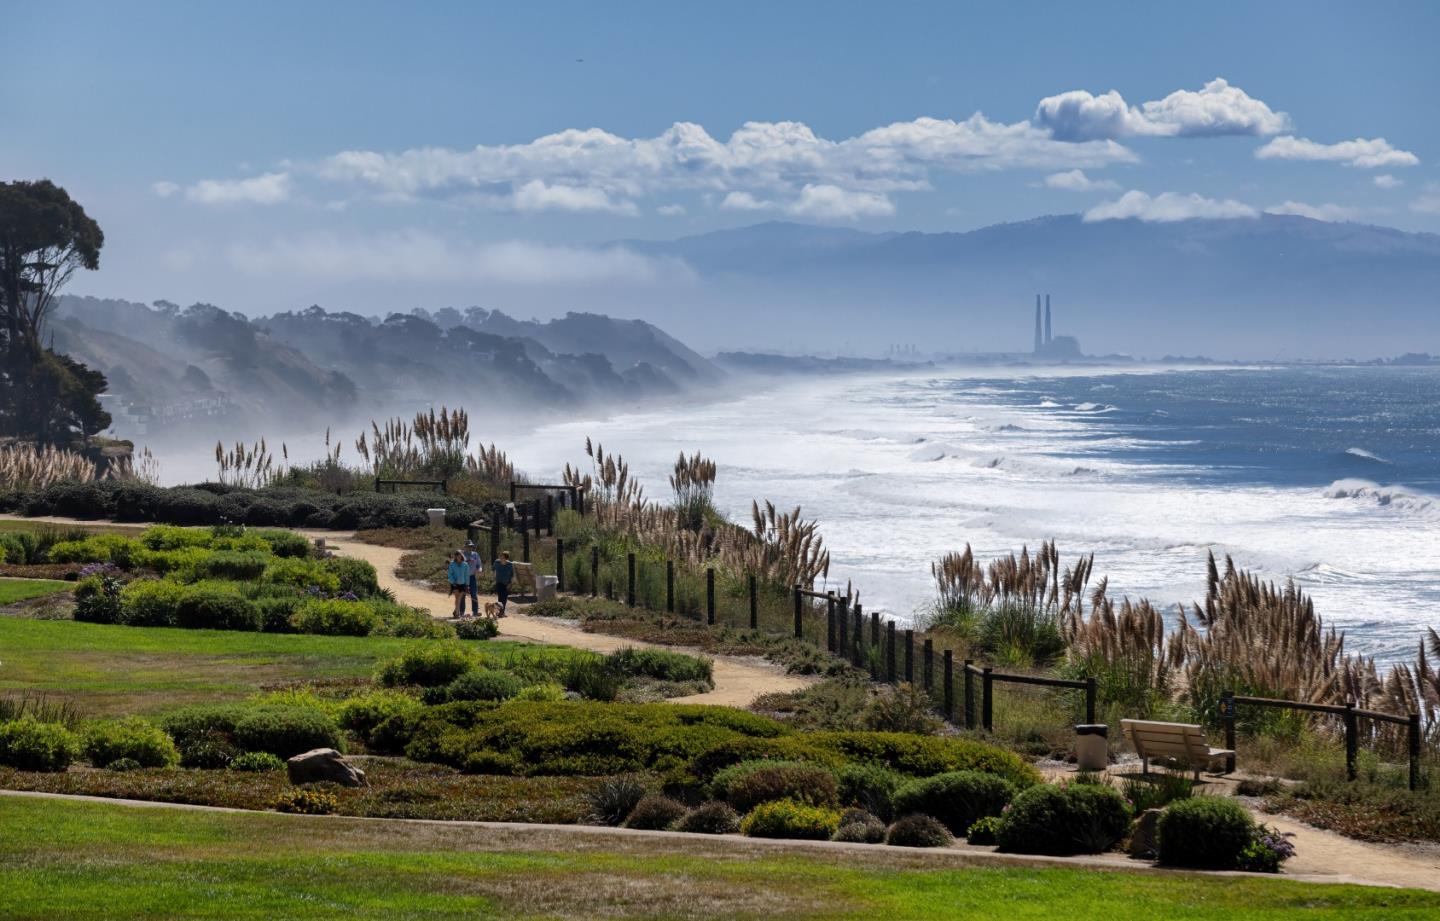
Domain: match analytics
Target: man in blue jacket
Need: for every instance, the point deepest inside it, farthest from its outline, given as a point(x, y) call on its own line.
point(472, 559)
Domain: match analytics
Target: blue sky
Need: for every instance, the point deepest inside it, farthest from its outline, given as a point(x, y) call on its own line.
point(263, 156)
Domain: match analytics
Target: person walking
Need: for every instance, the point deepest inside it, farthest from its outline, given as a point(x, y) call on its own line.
point(472, 559)
point(504, 572)
point(458, 575)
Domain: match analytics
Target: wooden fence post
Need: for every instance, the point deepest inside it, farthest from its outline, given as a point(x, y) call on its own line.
point(1414, 751)
point(890, 651)
point(1090, 691)
point(857, 632)
point(550, 514)
point(630, 579)
point(669, 586)
point(1227, 705)
point(987, 700)
point(512, 492)
point(909, 656)
point(830, 622)
point(875, 629)
point(535, 515)
point(969, 694)
point(949, 681)
point(594, 570)
point(927, 666)
point(495, 538)
point(710, 596)
point(842, 626)
point(799, 620)
point(559, 564)
point(525, 546)
point(1352, 739)
point(754, 603)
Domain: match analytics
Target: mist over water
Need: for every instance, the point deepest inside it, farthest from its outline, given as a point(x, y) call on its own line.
point(1329, 476)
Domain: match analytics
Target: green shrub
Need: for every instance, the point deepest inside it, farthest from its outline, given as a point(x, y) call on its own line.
point(1080, 818)
point(918, 831)
point(1155, 791)
point(31, 745)
point(655, 813)
point(983, 830)
point(923, 756)
point(201, 720)
point(276, 611)
point(1267, 851)
point(614, 798)
point(1205, 832)
point(362, 713)
point(905, 708)
point(712, 818)
point(97, 548)
point(165, 537)
point(592, 678)
point(477, 628)
point(789, 819)
point(427, 665)
point(121, 765)
point(256, 763)
point(403, 620)
point(477, 684)
point(870, 787)
point(859, 827)
point(216, 606)
point(289, 544)
point(151, 603)
point(762, 747)
point(661, 664)
point(545, 691)
point(749, 784)
point(12, 549)
point(956, 798)
point(302, 573)
point(182, 561)
point(307, 802)
point(239, 565)
point(334, 617)
point(132, 738)
point(97, 599)
point(285, 731)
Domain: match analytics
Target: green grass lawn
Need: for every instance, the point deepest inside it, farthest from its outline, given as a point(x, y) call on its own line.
point(87, 860)
point(13, 590)
point(109, 670)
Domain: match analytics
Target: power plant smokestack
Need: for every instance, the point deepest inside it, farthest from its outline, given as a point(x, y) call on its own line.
point(1047, 319)
point(1038, 341)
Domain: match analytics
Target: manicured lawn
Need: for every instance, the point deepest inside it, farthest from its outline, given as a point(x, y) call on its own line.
point(109, 670)
point(88, 860)
point(13, 590)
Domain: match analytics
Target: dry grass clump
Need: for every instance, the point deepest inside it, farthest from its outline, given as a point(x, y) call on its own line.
point(250, 466)
point(27, 467)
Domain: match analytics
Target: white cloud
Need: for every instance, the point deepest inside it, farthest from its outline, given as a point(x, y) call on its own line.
point(1363, 153)
point(536, 195)
point(415, 255)
point(1215, 109)
point(670, 210)
point(744, 201)
point(1322, 212)
point(1075, 180)
point(164, 189)
point(267, 189)
point(1429, 200)
point(1386, 181)
point(1167, 207)
point(831, 203)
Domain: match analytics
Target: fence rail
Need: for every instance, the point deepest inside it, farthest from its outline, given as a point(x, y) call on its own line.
point(382, 482)
point(988, 676)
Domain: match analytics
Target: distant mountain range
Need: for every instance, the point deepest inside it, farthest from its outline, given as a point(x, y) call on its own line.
point(204, 367)
point(1272, 286)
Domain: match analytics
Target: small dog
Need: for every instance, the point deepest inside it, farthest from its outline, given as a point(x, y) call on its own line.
point(492, 610)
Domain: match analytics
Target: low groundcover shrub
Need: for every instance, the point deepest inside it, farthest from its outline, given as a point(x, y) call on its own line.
point(1078, 818)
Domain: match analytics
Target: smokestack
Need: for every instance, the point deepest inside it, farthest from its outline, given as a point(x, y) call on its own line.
point(1038, 341)
point(1047, 319)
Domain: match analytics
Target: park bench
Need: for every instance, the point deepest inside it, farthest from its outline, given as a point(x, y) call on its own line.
point(1180, 742)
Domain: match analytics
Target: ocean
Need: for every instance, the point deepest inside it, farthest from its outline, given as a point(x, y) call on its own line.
point(1327, 475)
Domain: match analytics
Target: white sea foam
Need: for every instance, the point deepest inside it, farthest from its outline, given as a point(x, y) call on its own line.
point(1366, 455)
point(1390, 497)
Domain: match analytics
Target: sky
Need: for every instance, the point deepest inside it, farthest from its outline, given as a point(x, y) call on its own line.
point(265, 156)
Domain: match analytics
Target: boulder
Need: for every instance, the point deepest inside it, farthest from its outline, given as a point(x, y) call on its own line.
point(324, 764)
point(1144, 839)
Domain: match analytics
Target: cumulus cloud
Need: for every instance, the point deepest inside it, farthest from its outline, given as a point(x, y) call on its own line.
point(670, 210)
point(164, 189)
point(744, 201)
point(1075, 180)
point(1322, 212)
point(1215, 109)
point(414, 255)
point(267, 189)
point(1365, 154)
point(1167, 207)
point(831, 203)
point(1429, 201)
point(1387, 181)
point(536, 195)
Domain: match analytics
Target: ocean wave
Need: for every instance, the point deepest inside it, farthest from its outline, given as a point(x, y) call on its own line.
point(1395, 497)
point(1366, 455)
point(1049, 404)
point(1095, 408)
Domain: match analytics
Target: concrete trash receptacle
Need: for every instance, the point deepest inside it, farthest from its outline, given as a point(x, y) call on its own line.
point(437, 517)
point(545, 587)
point(1092, 746)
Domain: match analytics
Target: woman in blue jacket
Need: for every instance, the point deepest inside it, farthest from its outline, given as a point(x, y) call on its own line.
point(458, 574)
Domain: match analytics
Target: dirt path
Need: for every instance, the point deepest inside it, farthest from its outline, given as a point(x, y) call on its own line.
point(738, 681)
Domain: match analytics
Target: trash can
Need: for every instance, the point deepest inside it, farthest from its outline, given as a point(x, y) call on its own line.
point(437, 517)
point(1092, 746)
point(545, 587)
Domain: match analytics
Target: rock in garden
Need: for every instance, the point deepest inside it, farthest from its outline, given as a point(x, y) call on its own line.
point(324, 764)
point(1144, 842)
